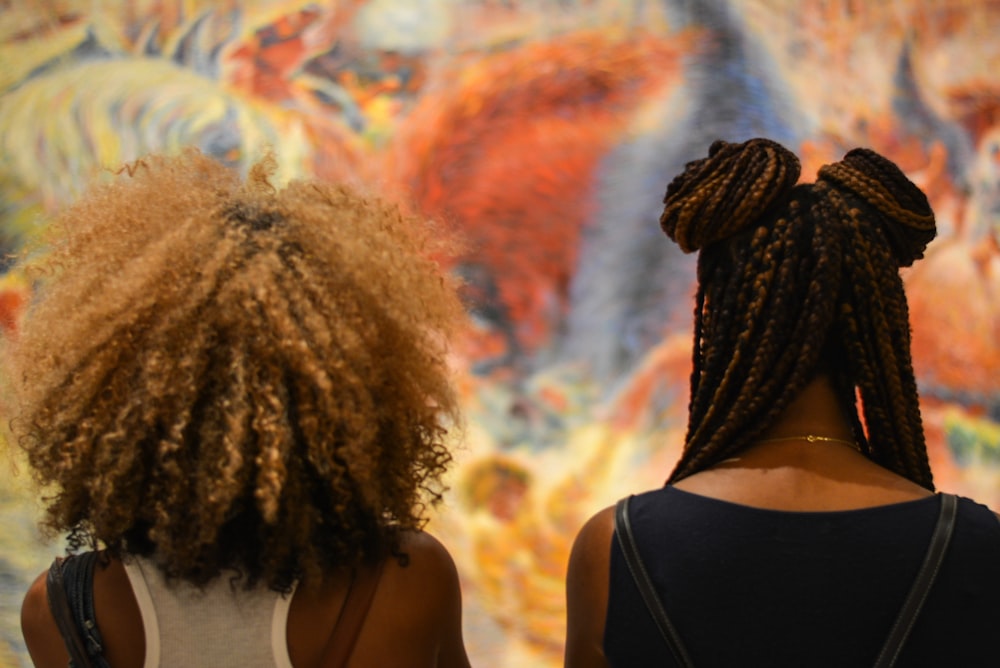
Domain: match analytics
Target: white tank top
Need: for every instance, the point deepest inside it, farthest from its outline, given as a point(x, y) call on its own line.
point(215, 627)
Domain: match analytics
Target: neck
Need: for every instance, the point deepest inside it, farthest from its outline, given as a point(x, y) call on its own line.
point(815, 411)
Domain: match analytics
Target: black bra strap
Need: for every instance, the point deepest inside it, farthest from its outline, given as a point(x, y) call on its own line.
point(62, 609)
point(623, 529)
point(925, 579)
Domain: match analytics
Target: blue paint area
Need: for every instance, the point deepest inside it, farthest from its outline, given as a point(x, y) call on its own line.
point(632, 284)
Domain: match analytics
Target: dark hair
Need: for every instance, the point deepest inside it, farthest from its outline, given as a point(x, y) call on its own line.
point(795, 280)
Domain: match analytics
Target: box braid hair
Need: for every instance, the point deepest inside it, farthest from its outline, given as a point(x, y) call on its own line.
point(795, 281)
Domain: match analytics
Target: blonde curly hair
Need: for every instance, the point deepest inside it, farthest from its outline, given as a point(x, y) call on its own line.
point(229, 375)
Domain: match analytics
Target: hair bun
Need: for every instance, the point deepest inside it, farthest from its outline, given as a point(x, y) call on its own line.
point(718, 196)
point(905, 216)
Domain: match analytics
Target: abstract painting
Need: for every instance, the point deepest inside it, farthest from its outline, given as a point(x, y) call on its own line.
point(543, 134)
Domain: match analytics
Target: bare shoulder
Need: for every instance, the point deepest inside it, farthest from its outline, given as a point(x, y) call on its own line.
point(425, 575)
point(590, 558)
point(424, 582)
point(41, 635)
point(420, 599)
point(594, 538)
point(587, 584)
point(427, 555)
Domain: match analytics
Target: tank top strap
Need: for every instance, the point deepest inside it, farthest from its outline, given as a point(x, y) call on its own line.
point(147, 610)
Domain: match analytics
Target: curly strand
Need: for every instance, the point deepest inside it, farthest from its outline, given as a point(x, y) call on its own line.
point(225, 374)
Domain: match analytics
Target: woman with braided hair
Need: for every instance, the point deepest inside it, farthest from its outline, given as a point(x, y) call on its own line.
point(792, 532)
point(238, 396)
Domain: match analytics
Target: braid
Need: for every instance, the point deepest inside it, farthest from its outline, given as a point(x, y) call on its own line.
point(892, 223)
point(751, 180)
point(901, 211)
point(755, 366)
point(788, 277)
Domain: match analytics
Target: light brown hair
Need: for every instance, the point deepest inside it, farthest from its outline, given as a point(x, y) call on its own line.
point(230, 375)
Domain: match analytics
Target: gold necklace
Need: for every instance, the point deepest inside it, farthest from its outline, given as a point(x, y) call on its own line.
point(810, 438)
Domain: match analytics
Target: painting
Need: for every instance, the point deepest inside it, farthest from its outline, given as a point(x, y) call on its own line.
point(543, 134)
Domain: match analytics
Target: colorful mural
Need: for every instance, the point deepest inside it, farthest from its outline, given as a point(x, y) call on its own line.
point(544, 132)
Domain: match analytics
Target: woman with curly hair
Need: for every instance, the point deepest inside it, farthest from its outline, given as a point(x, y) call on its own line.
point(792, 532)
point(238, 396)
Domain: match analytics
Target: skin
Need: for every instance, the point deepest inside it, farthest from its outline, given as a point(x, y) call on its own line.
point(418, 606)
point(791, 475)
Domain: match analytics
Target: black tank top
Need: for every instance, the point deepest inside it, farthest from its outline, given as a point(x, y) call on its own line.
point(752, 587)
